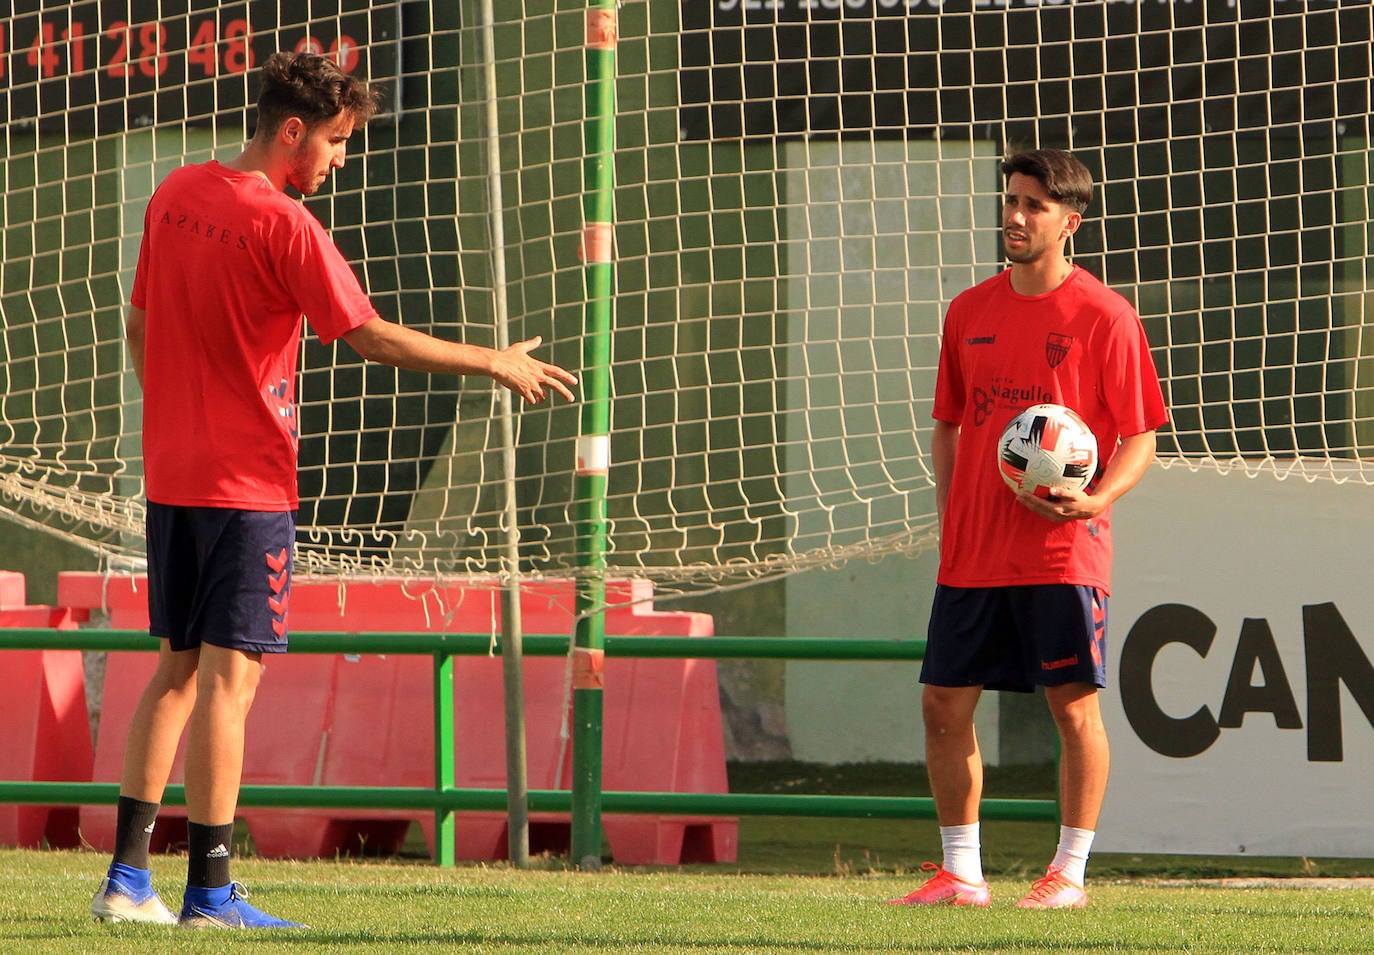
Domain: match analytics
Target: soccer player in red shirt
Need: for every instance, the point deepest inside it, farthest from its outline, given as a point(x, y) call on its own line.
point(228, 265)
point(1021, 596)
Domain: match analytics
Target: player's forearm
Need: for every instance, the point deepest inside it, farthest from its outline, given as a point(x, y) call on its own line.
point(944, 442)
point(388, 343)
point(1133, 457)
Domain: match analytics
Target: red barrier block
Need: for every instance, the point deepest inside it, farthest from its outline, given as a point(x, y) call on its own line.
point(372, 733)
point(288, 727)
point(126, 673)
point(664, 734)
point(288, 720)
point(661, 733)
point(125, 600)
point(13, 590)
point(47, 730)
point(480, 752)
point(368, 721)
point(662, 722)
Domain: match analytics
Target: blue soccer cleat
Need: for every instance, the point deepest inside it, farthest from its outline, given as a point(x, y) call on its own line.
point(226, 907)
point(126, 895)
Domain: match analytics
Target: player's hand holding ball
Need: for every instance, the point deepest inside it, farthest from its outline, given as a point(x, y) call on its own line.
point(1048, 455)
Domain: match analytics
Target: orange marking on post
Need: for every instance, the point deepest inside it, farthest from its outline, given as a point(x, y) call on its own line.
point(603, 31)
point(588, 669)
point(596, 242)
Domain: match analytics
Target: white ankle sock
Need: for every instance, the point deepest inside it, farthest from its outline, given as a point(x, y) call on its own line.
point(1071, 858)
point(962, 852)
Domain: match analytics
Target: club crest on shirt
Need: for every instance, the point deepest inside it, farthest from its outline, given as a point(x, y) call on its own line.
point(1057, 348)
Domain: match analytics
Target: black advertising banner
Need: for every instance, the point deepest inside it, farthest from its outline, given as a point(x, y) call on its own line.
point(101, 67)
point(1089, 72)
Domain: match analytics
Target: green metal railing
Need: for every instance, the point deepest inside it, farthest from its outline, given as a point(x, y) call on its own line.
point(445, 799)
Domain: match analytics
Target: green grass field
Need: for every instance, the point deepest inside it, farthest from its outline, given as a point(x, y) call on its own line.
point(799, 886)
point(390, 907)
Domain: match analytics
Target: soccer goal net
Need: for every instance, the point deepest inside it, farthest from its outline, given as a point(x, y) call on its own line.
point(801, 186)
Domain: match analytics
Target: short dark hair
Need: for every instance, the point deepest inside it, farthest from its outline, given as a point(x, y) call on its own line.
point(312, 88)
point(1065, 178)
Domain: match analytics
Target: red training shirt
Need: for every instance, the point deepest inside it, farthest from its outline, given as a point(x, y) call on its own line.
point(227, 266)
point(1082, 346)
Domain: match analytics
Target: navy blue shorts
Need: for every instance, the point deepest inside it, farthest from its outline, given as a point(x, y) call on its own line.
point(220, 576)
point(1016, 638)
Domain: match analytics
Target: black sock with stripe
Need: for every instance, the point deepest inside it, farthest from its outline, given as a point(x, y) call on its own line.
point(134, 821)
point(209, 851)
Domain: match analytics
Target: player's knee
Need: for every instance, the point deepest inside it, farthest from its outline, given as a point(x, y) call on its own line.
point(1076, 712)
point(945, 711)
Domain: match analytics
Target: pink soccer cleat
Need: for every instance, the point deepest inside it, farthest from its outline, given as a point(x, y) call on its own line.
point(1053, 891)
point(945, 888)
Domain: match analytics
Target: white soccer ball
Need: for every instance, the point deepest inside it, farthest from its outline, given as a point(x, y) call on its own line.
point(1047, 446)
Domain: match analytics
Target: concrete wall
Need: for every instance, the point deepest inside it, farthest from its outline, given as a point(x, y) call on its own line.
point(854, 712)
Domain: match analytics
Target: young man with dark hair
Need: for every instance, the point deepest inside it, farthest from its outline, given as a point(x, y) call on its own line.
point(228, 265)
point(1021, 596)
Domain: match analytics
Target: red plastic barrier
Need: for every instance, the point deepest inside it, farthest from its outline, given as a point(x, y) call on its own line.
point(43, 711)
point(125, 600)
point(368, 721)
point(285, 728)
point(126, 673)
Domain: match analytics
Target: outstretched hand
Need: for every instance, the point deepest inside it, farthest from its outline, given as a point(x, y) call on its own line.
point(530, 378)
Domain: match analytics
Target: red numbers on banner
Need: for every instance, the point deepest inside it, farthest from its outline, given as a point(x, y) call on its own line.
point(203, 50)
point(238, 55)
point(76, 49)
point(42, 53)
point(200, 51)
point(132, 50)
point(141, 49)
point(343, 51)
